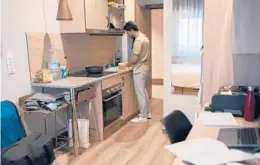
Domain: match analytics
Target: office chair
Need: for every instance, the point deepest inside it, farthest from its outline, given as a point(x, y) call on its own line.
point(177, 126)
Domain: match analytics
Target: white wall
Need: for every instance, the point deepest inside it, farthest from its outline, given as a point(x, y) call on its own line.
point(126, 41)
point(15, 20)
point(168, 39)
point(246, 36)
point(246, 26)
point(157, 44)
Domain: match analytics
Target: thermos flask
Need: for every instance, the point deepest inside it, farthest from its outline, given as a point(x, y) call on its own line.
point(249, 109)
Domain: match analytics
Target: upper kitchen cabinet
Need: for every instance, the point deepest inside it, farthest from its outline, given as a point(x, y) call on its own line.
point(246, 27)
point(87, 15)
point(96, 13)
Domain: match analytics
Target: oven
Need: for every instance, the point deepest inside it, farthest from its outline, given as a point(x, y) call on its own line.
point(112, 103)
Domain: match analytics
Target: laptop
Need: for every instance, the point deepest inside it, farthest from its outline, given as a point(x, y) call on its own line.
point(241, 138)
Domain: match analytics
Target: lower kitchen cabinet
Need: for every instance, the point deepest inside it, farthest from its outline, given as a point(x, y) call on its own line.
point(128, 95)
point(129, 102)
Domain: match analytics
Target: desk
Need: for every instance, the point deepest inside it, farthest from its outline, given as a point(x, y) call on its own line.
point(199, 130)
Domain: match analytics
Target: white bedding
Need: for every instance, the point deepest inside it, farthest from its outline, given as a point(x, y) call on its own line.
point(186, 75)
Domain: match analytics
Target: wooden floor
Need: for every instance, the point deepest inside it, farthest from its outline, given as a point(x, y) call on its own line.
point(134, 144)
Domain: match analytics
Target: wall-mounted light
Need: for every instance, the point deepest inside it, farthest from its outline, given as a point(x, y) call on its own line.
point(64, 13)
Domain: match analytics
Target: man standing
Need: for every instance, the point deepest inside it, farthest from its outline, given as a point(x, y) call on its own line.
point(140, 64)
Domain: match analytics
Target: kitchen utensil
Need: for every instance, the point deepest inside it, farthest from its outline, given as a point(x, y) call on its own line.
point(94, 69)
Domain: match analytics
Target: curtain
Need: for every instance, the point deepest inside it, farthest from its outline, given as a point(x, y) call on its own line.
point(217, 57)
point(187, 28)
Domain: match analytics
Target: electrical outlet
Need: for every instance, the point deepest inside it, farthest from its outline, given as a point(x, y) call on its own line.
point(10, 63)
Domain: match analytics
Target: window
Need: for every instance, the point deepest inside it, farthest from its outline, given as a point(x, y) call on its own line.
point(188, 27)
point(190, 37)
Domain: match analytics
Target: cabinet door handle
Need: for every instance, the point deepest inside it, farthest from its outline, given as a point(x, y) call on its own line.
point(123, 81)
point(112, 97)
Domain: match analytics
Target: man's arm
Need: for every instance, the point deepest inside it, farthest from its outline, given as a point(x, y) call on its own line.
point(134, 59)
point(136, 53)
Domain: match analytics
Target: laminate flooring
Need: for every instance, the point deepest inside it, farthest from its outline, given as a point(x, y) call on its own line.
point(134, 144)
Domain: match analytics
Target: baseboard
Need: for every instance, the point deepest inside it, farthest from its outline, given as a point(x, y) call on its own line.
point(157, 81)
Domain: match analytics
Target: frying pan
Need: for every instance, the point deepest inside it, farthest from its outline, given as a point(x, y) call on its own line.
point(94, 69)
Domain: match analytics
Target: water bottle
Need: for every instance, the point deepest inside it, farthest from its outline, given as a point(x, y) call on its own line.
point(249, 109)
point(53, 65)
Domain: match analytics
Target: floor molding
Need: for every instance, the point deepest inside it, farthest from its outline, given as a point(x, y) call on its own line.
point(157, 81)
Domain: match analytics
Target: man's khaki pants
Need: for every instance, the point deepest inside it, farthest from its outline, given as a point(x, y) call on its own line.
point(140, 81)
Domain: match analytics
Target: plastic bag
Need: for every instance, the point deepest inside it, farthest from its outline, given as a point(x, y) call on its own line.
point(83, 126)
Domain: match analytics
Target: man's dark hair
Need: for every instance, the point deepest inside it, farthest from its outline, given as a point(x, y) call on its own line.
point(130, 25)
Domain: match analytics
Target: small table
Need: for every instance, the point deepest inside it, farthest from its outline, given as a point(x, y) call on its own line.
point(70, 84)
point(45, 113)
point(199, 130)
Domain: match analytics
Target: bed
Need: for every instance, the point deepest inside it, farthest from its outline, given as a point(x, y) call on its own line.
point(186, 75)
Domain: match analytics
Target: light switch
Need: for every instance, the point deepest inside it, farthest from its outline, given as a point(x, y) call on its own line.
point(10, 63)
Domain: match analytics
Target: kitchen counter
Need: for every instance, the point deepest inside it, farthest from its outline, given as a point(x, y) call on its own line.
point(77, 82)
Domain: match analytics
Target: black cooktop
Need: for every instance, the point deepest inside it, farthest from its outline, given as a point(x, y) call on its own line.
point(85, 74)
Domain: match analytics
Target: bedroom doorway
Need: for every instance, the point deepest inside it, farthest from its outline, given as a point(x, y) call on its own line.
point(188, 40)
point(185, 64)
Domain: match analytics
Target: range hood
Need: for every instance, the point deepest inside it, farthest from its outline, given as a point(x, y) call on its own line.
point(154, 6)
point(110, 32)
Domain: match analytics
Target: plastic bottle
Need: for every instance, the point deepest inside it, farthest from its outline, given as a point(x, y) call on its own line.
point(63, 72)
point(53, 65)
point(249, 109)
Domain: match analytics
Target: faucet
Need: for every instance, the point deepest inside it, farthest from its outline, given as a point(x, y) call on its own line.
point(106, 66)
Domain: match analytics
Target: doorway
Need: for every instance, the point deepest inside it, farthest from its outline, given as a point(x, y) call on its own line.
point(149, 18)
point(187, 40)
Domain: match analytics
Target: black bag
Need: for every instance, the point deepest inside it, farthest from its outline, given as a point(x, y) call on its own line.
point(35, 149)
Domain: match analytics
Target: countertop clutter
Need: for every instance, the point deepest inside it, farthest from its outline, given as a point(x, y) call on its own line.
point(77, 82)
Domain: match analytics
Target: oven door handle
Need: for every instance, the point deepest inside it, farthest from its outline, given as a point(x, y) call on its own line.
point(112, 97)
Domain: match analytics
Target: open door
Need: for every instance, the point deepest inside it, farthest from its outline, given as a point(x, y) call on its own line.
point(143, 20)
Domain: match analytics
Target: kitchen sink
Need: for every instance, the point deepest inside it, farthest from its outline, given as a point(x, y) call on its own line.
point(111, 69)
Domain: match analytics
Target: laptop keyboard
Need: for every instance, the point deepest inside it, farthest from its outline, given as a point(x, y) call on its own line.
point(248, 136)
